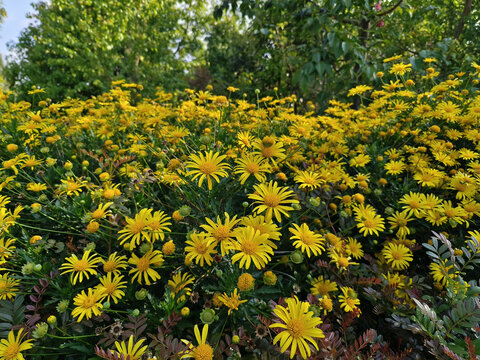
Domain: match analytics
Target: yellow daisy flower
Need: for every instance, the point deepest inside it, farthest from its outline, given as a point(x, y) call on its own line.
point(273, 200)
point(300, 327)
point(207, 166)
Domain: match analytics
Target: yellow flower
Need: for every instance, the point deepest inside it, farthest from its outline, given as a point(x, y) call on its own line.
point(8, 286)
point(360, 89)
point(132, 350)
point(323, 287)
point(36, 187)
point(265, 227)
point(272, 200)
point(202, 351)
point(111, 288)
point(88, 304)
point(6, 249)
point(222, 233)
point(231, 301)
point(12, 347)
point(168, 248)
point(80, 267)
point(101, 211)
point(114, 263)
point(370, 224)
point(309, 180)
point(179, 286)
point(201, 249)
point(251, 247)
point(354, 248)
point(207, 166)
point(143, 266)
point(397, 255)
point(307, 240)
point(399, 220)
point(400, 68)
point(348, 300)
point(246, 282)
point(269, 148)
point(251, 164)
point(300, 327)
point(137, 229)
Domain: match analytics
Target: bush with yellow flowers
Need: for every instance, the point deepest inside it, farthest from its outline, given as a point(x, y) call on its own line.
point(213, 227)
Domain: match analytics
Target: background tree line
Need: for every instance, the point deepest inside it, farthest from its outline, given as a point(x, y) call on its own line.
point(315, 49)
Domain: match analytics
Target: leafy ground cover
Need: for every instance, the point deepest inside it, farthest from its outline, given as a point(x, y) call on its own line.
point(213, 227)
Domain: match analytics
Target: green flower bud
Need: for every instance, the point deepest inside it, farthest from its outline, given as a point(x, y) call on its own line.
point(245, 204)
point(315, 201)
point(62, 306)
point(389, 210)
point(40, 331)
point(141, 294)
point(145, 248)
point(296, 206)
point(106, 305)
point(37, 267)
point(185, 210)
point(296, 257)
point(135, 312)
point(28, 268)
point(90, 246)
point(378, 192)
point(207, 316)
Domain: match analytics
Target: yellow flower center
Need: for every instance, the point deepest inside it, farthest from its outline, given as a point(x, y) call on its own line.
point(203, 352)
point(309, 180)
point(98, 214)
point(143, 264)
point(322, 288)
point(252, 168)
point(137, 227)
point(221, 233)
point(296, 328)
point(271, 200)
point(72, 186)
point(110, 288)
point(350, 303)
point(461, 187)
point(343, 261)
point(450, 213)
point(369, 223)
point(207, 168)
point(11, 351)
point(397, 255)
point(88, 302)
point(414, 204)
point(307, 239)
point(201, 248)
point(109, 266)
point(81, 265)
point(268, 151)
point(249, 247)
point(154, 225)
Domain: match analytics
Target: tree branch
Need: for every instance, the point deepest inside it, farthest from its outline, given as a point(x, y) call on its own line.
point(467, 9)
point(386, 12)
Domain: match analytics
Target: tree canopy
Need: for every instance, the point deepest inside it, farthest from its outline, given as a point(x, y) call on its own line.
point(77, 47)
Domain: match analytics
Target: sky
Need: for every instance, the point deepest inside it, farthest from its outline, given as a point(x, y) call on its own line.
point(14, 23)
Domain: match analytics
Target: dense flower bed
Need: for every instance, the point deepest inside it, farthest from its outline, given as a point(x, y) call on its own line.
point(217, 228)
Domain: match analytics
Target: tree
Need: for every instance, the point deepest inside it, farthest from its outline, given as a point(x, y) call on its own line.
point(77, 47)
point(319, 49)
